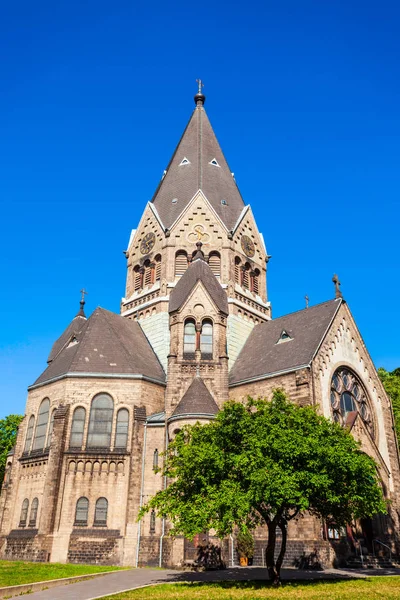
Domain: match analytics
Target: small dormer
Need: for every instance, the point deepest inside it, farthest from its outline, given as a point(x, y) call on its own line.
point(284, 337)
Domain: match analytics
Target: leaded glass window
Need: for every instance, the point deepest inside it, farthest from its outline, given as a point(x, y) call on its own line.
point(29, 434)
point(121, 433)
point(77, 428)
point(189, 341)
point(100, 515)
point(82, 511)
point(24, 513)
point(41, 425)
point(206, 339)
point(34, 512)
point(100, 422)
point(347, 396)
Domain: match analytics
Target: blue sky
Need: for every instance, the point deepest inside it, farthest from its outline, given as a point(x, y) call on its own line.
point(304, 98)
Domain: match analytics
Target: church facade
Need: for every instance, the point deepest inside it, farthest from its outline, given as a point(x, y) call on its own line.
point(195, 328)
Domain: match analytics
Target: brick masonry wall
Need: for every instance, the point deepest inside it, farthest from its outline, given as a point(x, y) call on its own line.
point(95, 547)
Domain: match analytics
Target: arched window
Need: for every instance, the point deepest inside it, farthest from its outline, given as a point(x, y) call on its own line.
point(8, 474)
point(245, 276)
point(34, 512)
point(100, 422)
point(237, 270)
point(206, 339)
point(148, 271)
point(24, 513)
point(81, 512)
point(155, 460)
point(77, 428)
point(348, 395)
point(214, 262)
point(254, 280)
point(41, 425)
point(189, 340)
point(137, 278)
point(29, 434)
point(181, 263)
point(51, 425)
point(157, 261)
point(100, 514)
point(121, 433)
point(153, 521)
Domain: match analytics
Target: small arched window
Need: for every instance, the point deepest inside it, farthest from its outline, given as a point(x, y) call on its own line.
point(51, 425)
point(255, 275)
point(24, 513)
point(148, 271)
point(181, 263)
point(214, 262)
point(153, 521)
point(155, 460)
point(121, 432)
point(189, 340)
point(77, 428)
point(34, 512)
point(245, 276)
point(100, 515)
point(206, 339)
point(82, 512)
point(41, 425)
point(29, 434)
point(237, 270)
point(137, 278)
point(100, 422)
point(157, 261)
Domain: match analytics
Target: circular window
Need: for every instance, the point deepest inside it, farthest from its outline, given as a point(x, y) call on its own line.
point(347, 396)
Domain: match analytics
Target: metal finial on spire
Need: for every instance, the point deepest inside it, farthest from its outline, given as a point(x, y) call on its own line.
point(307, 299)
point(338, 293)
point(81, 312)
point(199, 98)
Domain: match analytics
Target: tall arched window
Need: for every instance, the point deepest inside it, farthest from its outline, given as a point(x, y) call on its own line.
point(189, 340)
point(29, 434)
point(81, 512)
point(237, 271)
point(155, 460)
point(34, 512)
point(51, 425)
point(100, 514)
point(24, 513)
point(254, 280)
point(137, 278)
point(206, 339)
point(148, 274)
point(245, 276)
point(157, 261)
point(121, 433)
point(181, 263)
point(41, 425)
point(214, 262)
point(348, 395)
point(77, 428)
point(153, 521)
point(100, 422)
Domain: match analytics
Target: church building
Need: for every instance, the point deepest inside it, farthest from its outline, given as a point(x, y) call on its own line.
point(195, 328)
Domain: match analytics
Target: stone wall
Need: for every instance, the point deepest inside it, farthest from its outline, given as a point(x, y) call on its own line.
point(95, 547)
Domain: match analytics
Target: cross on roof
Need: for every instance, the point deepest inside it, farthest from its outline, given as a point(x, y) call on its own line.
point(338, 293)
point(83, 294)
point(201, 84)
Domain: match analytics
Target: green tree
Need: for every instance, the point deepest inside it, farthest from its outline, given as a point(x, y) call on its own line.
point(265, 462)
point(391, 383)
point(8, 435)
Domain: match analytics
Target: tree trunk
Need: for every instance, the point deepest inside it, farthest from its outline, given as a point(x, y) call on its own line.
point(270, 554)
point(283, 528)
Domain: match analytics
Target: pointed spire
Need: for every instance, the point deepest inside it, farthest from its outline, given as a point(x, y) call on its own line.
point(81, 312)
point(200, 98)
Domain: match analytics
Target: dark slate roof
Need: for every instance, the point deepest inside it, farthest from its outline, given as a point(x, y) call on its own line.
point(72, 330)
point(196, 401)
point(262, 355)
point(198, 270)
point(200, 146)
point(107, 343)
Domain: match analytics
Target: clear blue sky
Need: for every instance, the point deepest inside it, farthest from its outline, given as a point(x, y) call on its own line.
point(304, 98)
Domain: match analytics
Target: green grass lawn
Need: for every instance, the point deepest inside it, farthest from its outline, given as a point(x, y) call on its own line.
point(18, 572)
point(382, 588)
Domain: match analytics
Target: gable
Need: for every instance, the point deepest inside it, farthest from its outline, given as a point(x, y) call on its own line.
point(198, 222)
point(148, 224)
point(247, 227)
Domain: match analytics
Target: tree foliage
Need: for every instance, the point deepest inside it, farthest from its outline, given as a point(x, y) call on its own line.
point(265, 462)
point(8, 435)
point(391, 383)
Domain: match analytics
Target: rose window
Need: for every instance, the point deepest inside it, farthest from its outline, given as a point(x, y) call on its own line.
point(348, 395)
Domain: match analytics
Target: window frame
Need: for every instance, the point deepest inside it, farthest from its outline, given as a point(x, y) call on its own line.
point(82, 522)
point(41, 427)
point(100, 522)
point(76, 433)
point(96, 423)
point(123, 409)
point(24, 513)
point(33, 512)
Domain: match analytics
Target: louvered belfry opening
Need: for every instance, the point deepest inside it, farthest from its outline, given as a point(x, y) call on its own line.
point(237, 270)
point(214, 262)
point(181, 263)
point(157, 262)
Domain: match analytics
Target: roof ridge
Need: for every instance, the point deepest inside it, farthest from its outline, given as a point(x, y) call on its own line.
point(303, 309)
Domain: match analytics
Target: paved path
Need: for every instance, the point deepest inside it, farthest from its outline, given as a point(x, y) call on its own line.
point(128, 580)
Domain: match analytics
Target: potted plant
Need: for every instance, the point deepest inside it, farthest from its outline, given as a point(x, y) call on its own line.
point(245, 547)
